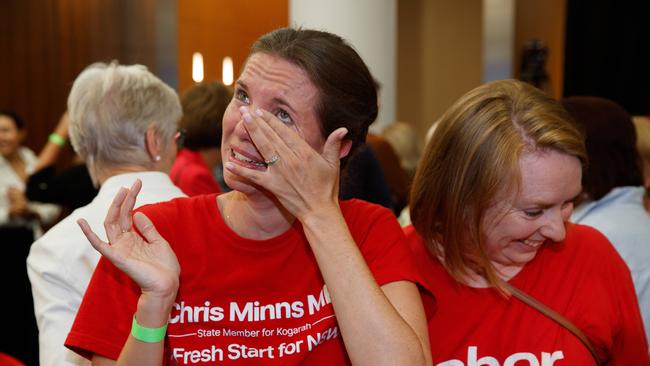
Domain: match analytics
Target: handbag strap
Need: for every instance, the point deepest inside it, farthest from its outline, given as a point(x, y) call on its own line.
point(555, 316)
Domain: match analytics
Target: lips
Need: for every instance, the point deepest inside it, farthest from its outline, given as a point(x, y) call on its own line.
point(246, 160)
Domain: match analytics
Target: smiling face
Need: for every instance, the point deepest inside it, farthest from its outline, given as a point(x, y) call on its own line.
point(10, 137)
point(283, 89)
point(519, 224)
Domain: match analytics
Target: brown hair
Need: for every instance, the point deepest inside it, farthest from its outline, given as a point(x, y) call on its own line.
point(473, 154)
point(611, 145)
point(348, 96)
point(203, 109)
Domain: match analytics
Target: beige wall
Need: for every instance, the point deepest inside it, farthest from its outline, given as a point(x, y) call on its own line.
point(439, 56)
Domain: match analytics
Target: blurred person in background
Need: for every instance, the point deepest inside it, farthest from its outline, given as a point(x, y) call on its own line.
point(642, 124)
point(200, 155)
point(123, 123)
point(21, 220)
point(612, 187)
point(407, 144)
point(17, 162)
point(70, 187)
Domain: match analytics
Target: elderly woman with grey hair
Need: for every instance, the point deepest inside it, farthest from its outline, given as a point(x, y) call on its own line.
point(123, 123)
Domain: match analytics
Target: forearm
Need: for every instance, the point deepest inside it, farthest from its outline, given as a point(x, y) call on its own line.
point(373, 330)
point(47, 156)
point(50, 152)
point(152, 312)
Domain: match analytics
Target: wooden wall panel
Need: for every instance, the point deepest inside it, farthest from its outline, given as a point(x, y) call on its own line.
point(47, 43)
point(223, 28)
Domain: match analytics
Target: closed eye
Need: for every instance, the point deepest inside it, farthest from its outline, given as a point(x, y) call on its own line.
point(533, 213)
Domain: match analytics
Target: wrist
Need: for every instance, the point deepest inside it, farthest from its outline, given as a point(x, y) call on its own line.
point(148, 334)
point(321, 216)
point(153, 310)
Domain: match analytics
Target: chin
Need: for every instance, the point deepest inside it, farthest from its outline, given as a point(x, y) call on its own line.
point(524, 258)
point(239, 184)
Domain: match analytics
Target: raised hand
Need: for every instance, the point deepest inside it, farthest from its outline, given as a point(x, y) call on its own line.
point(301, 178)
point(149, 261)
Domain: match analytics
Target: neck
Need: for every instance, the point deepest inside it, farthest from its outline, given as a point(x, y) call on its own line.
point(256, 216)
point(104, 174)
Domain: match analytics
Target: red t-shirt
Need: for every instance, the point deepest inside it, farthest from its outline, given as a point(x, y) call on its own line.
point(583, 278)
point(192, 175)
point(240, 301)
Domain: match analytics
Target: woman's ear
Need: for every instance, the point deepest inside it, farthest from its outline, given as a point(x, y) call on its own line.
point(346, 145)
point(152, 143)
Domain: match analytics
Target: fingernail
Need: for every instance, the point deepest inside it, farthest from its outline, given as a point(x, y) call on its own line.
point(229, 166)
point(258, 112)
point(247, 117)
point(243, 109)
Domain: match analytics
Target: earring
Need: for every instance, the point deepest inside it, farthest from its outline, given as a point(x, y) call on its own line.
point(157, 158)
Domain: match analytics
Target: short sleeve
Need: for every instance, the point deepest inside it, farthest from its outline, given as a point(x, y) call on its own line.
point(381, 241)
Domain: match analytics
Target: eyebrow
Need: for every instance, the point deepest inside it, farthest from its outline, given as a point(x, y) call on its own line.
point(544, 205)
point(284, 103)
point(241, 84)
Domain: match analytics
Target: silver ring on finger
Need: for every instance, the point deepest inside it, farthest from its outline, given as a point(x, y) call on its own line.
point(274, 159)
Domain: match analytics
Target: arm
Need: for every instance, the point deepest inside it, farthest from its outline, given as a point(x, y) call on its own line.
point(51, 150)
point(380, 325)
point(149, 261)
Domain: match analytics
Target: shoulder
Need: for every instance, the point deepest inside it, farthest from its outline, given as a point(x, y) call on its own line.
point(584, 252)
point(27, 153)
point(365, 219)
point(360, 210)
point(175, 204)
point(64, 248)
point(180, 213)
point(587, 240)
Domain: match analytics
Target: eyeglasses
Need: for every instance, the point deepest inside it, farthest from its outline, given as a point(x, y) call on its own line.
point(179, 138)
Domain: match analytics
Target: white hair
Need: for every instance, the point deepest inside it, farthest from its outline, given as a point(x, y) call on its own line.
point(111, 107)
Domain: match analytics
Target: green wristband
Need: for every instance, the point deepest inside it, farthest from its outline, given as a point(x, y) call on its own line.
point(56, 139)
point(149, 335)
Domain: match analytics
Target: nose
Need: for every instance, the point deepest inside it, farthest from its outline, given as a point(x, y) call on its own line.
point(554, 226)
point(240, 130)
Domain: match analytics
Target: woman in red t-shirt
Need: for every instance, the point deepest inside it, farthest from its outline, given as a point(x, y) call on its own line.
point(490, 204)
point(303, 102)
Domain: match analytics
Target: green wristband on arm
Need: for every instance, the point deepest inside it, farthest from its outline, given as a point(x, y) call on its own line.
point(56, 139)
point(148, 335)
